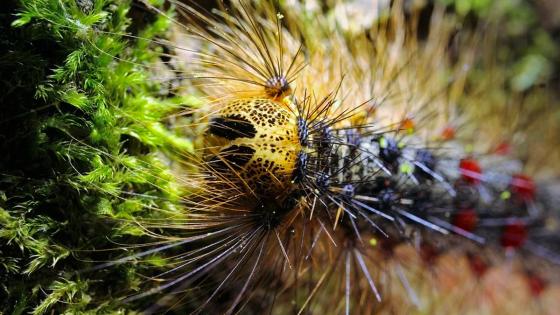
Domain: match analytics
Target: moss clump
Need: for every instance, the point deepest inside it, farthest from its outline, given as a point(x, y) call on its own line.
point(82, 128)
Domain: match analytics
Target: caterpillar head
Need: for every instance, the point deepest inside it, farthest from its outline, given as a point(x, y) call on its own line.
point(254, 142)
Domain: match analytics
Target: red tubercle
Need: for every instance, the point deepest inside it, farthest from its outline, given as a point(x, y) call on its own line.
point(448, 133)
point(470, 170)
point(503, 148)
point(523, 186)
point(465, 219)
point(514, 234)
point(536, 284)
point(478, 265)
point(407, 125)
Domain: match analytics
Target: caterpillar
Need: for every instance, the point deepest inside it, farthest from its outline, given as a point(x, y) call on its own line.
point(317, 191)
point(339, 167)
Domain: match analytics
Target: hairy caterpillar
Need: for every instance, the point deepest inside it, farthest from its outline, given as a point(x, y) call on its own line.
point(334, 179)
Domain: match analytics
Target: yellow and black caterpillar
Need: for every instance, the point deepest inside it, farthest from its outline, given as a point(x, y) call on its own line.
point(331, 175)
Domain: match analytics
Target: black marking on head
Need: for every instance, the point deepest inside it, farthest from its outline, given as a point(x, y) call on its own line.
point(232, 127)
point(277, 86)
point(232, 157)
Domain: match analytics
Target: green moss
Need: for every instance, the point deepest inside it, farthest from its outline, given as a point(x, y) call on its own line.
point(82, 129)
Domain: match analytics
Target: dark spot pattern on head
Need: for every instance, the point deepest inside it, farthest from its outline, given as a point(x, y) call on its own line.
point(232, 127)
point(269, 129)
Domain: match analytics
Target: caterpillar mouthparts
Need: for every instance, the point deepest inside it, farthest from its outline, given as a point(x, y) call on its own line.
point(329, 174)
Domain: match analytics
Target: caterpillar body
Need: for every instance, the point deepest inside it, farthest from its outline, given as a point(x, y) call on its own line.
point(328, 177)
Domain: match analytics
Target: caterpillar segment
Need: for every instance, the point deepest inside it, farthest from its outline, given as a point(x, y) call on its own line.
point(388, 189)
point(334, 179)
point(437, 205)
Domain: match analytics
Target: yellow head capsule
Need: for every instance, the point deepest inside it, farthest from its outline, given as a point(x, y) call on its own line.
point(255, 140)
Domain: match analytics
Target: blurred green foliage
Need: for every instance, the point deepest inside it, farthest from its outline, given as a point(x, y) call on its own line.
point(529, 43)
